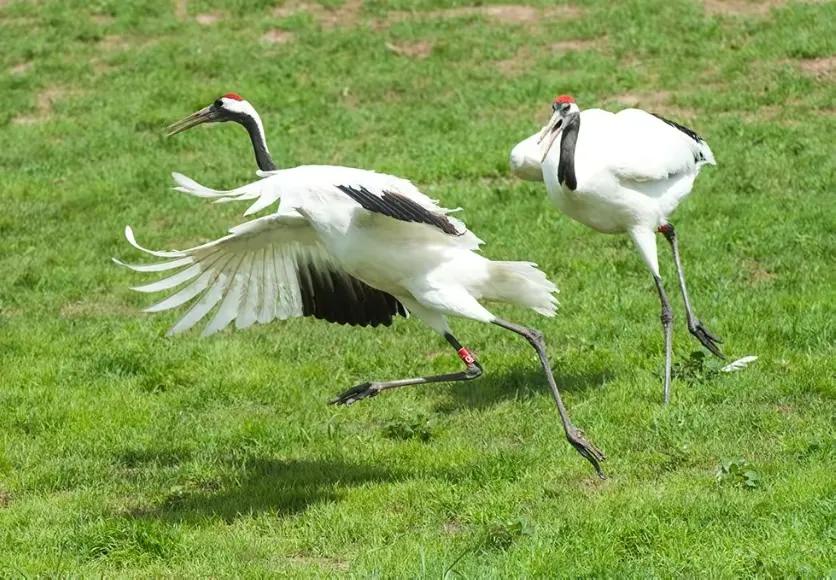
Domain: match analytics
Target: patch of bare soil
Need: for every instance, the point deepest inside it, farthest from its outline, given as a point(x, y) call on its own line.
point(43, 105)
point(514, 66)
point(277, 36)
point(578, 45)
point(642, 99)
point(510, 13)
point(113, 42)
point(181, 9)
point(420, 49)
point(757, 272)
point(821, 68)
point(346, 15)
point(208, 18)
point(592, 484)
point(452, 528)
point(507, 13)
point(102, 19)
point(521, 61)
point(5, 498)
point(349, 13)
point(741, 7)
point(334, 564)
point(652, 102)
point(20, 69)
point(100, 67)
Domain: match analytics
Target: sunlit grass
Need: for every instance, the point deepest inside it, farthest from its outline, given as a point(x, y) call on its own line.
point(123, 452)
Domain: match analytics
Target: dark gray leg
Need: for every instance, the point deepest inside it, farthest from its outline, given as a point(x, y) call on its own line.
point(573, 434)
point(695, 327)
point(667, 328)
point(474, 371)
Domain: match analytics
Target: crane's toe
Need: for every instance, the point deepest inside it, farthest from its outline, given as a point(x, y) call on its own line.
point(706, 338)
point(355, 394)
point(592, 454)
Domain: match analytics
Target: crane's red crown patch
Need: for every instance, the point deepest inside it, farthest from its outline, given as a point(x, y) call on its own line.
point(563, 99)
point(234, 96)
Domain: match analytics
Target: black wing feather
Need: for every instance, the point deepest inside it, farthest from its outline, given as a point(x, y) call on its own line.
point(399, 207)
point(337, 297)
point(690, 132)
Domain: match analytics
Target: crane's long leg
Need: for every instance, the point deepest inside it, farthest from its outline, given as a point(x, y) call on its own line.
point(695, 327)
point(667, 328)
point(474, 371)
point(573, 434)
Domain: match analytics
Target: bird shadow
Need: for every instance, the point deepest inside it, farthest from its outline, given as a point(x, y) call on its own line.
point(518, 384)
point(285, 487)
point(276, 486)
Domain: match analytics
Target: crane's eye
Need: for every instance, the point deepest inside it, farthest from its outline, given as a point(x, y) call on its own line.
point(219, 103)
point(555, 107)
point(564, 107)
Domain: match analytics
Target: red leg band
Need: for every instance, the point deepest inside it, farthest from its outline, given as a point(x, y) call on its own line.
point(466, 356)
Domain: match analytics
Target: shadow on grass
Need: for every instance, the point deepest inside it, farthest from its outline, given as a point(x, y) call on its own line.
point(520, 383)
point(287, 487)
point(280, 487)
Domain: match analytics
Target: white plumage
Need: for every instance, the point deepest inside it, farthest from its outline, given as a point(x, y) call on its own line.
point(622, 172)
point(526, 158)
point(632, 167)
point(253, 274)
point(349, 246)
point(632, 171)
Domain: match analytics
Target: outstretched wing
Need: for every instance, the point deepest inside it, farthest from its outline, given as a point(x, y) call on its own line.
point(310, 186)
point(262, 191)
point(266, 269)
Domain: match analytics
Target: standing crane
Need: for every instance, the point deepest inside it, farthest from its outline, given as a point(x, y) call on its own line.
point(622, 173)
point(348, 246)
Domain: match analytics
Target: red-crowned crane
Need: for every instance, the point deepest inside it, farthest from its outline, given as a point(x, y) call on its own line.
point(622, 172)
point(348, 246)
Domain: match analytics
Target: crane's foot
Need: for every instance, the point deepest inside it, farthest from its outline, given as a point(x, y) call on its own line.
point(592, 454)
point(357, 393)
point(707, 339)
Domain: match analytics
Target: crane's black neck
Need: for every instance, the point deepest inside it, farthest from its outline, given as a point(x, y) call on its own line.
point(566, 166)
point(262, 155)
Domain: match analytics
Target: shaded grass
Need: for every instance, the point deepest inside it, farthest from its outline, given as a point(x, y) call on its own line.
point(124, 452)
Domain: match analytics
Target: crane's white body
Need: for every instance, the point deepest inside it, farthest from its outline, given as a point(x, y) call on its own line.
point(632, 170)
point(526, 157)
point(252, 273)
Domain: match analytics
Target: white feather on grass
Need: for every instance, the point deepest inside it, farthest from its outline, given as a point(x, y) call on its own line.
point(739, 364)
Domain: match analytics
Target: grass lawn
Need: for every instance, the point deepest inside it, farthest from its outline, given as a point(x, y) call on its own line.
point(126, 453)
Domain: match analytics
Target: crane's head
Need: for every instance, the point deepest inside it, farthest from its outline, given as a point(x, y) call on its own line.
point(229, 107)
point(563, 106)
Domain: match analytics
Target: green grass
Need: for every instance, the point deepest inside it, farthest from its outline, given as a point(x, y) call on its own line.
point(126, 453)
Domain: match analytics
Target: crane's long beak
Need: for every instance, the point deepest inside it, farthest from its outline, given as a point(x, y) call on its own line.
point(549, 134)
point(205, 115)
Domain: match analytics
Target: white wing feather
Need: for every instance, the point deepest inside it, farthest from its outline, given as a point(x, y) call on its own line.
point(241, 271)
point(306, 179)
point(739, 364)
point(314, 191)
